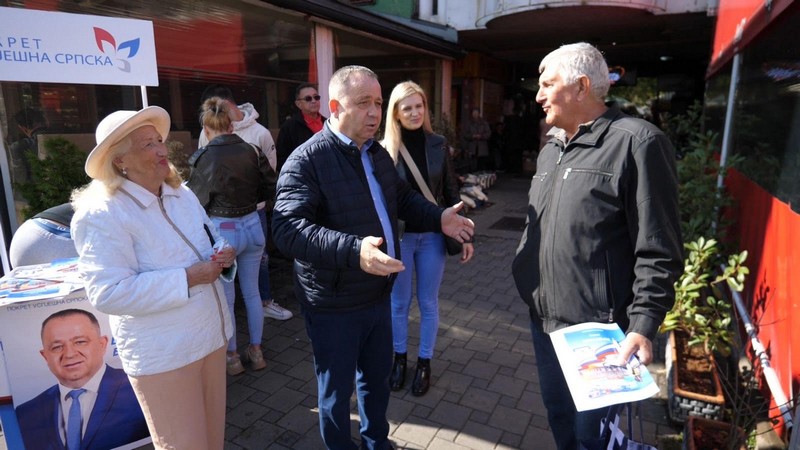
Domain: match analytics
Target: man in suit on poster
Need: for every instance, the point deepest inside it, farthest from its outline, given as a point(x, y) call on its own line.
point(93, 405)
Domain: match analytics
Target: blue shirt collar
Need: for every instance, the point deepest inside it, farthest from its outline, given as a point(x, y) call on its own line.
point(347, 141)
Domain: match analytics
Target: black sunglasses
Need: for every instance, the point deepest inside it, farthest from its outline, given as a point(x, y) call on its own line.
point(308, 98)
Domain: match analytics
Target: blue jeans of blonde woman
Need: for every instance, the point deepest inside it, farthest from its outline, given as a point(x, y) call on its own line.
point(247, 237)
point(263, 271)
point(423, 254)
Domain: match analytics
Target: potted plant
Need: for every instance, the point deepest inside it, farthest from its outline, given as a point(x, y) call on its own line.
point(700, 322)
point(701, 434)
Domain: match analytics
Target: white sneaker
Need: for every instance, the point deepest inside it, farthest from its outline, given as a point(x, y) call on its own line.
point(275, 311)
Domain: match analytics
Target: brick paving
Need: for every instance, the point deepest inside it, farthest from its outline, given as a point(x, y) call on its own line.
point(485, 392)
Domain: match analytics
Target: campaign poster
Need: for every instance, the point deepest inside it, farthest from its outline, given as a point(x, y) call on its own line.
point(58, 345)
point(57, 47)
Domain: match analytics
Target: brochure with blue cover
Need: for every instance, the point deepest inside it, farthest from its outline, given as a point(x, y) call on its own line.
point(590, 359)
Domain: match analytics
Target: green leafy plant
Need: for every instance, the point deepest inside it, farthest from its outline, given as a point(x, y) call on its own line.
point(701, 202)
point(178, 157)
point(53, 177)
point(702, 310)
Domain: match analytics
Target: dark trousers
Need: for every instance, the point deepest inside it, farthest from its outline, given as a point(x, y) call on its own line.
point(347, 345)
point(569, 427)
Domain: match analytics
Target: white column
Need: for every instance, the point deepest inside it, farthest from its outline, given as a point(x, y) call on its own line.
point(425, 9)
point(326, 57)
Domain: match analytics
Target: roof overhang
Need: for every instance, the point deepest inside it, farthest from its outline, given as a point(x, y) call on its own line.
point(368, 22)
point(652, 43)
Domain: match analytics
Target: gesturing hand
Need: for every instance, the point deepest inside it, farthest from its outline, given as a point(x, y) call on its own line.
point(457, 227)
point(374, 261)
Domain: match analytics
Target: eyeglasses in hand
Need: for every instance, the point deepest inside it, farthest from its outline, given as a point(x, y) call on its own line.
point(308, 98)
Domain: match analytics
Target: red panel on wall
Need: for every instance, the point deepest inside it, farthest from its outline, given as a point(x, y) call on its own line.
point(770, 231)
point(215, 46)
point(738, 22)
point(731, 15)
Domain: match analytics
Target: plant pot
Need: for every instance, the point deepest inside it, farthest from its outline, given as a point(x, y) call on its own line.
point(683, 372)
point(704, 434)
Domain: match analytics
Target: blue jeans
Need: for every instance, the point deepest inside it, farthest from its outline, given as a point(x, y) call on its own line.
point(424, 254)
point(263, 270)
point(569, 427)
point(351, 344)
point(247, 237)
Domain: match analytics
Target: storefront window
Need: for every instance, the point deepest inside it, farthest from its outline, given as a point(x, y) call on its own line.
point(259, 51)
point(392, 63)
point(766, 128)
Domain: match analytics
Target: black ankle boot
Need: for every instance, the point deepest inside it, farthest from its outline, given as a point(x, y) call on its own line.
point(422, 377)
point(398, 377)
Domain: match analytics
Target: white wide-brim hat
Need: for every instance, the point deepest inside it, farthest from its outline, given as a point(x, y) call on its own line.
point(119, 124)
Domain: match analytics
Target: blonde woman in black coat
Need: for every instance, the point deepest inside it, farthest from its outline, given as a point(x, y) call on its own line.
point(408, 125)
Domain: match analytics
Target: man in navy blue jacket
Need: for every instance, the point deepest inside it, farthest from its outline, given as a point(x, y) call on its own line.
point(338, 201)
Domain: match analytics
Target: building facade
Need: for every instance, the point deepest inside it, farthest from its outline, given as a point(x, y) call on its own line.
point(261, 50)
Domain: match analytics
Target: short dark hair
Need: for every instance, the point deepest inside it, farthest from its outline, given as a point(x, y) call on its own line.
point(303, 86)
point(70, 312)
point(217, 90)
point(30, 118)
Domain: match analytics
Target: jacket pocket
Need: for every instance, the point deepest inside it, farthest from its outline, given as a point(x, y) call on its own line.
point(576, 170)
point(601, 281)
point(538, 193)
point(589, 195)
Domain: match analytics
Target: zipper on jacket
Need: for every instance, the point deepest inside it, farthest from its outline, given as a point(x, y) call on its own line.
point(551, 192)
point(569, 170)
point(200, 257)
point(610, 290)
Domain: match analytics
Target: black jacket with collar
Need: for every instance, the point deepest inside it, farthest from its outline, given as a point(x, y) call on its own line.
point(294, 132)
point(324, 209)
point(441, 180)
point(603, 240)
point(230, 177)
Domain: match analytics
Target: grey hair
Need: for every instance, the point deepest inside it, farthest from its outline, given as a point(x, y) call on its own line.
point(576, 60)
point(342, 79)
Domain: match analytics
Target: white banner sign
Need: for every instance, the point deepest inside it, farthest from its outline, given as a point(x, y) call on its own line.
point(59, 47)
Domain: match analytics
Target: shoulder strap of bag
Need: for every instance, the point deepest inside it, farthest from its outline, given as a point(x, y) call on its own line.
point(423, 186)
point(259, 153)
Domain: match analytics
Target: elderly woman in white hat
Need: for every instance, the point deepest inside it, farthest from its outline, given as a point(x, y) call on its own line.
point(148, 263)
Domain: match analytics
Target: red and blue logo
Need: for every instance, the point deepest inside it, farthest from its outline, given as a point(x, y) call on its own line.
point(122, 53)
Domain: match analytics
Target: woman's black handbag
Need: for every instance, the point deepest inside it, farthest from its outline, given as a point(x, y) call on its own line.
point(452, 246)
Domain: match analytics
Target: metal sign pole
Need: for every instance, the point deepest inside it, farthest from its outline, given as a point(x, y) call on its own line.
point(5, 175)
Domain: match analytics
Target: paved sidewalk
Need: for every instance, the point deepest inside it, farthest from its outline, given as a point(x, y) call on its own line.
point(485, 392)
